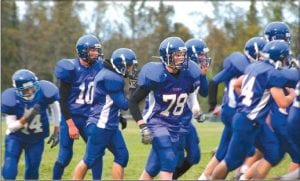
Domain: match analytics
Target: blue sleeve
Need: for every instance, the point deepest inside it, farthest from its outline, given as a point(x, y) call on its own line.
point(151, 75)
point(226, 74)
point(292, 77)
point(8, 102)
point(115, 89)
point(203, 91)
point(277, 79)
point(119, 99)
point(65, 70)
point(50, 91)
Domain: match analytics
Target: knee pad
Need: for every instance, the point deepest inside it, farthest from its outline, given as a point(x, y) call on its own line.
point(166, 153)
point(122, 157)
point(64, 156)
point(10, 169)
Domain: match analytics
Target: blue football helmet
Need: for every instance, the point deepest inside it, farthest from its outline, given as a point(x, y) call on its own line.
point(85, 43)
point(168, 47)
point(122, 59)
point(196, 48)
point(277, 52)
point(277, 31)
point(253, 48)
point(26, 84)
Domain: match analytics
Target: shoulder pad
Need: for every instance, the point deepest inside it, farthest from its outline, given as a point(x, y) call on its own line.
point(64, 69)
point(111, 80)
point(9, 97)
point(48, 88)
point(292, 76)
point(153, 71)
point(194, 69)
point(237, 60)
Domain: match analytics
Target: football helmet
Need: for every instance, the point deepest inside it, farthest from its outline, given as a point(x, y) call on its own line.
point(253, 48)
point(197, 51)
point(167, 50)
point(124, 61)
point(277, 31)
point(26, 84)
point(84, 44)
point(277, 52)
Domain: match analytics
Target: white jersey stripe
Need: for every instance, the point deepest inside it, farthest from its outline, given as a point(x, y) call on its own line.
point(262, 103)
point(151, 106)
point(105, 112)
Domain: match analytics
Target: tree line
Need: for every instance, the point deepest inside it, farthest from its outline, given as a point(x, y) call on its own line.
point(47, 33)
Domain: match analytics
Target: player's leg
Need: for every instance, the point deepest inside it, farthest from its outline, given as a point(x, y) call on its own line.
point(243, 137)
point(268, 143)
point(280, 125)
point(152, 167)
point(13, 150)
point(97, 141)
point(226, 118)
point(167, 155)
point(118, 147)
point(33, 157)
point(84, 133)
point(65, 152)
point(192, 153)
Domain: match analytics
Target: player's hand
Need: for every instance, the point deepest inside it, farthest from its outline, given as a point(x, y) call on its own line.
point(31, 113)
point(123, 122)
point(200, 118)
point(217, 111)
point(54, 139)
point(73, 131)
point(146, 134)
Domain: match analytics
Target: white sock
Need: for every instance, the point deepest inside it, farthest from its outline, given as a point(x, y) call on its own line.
point(243, 177)
point(203, 177)
point(244, 168)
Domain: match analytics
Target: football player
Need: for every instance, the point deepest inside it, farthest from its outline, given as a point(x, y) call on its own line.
point(25, 109)
point(234, 66)
point(76, 78)
point(166, 87)
point(253, 109)
point(109, 97)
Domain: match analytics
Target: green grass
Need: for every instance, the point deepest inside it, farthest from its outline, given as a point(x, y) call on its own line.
point(209, 133)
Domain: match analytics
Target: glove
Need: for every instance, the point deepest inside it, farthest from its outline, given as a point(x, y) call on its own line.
point(31, 113)
point(123, 122)
point(54, 138)
point(146, 134)
point(200, 118)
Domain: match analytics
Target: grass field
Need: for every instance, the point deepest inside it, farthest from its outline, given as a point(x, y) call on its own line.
point(209, 133)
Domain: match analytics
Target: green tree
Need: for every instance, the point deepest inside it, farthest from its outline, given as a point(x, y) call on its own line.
point(10, 59)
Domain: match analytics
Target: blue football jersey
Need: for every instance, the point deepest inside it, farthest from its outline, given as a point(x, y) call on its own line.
point(255, 91)
point(82, 79)
point(109, 97)
point(291, 76)
point(233, 66)
point(38, 128)
point(166, 102)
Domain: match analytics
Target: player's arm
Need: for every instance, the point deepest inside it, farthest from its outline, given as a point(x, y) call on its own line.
point(225, 74)
point(138, 95)
point(282, 100)
point(203, 91)
point(56, 116)
point(64, 91)
point(119, 99)
point(13, 124)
